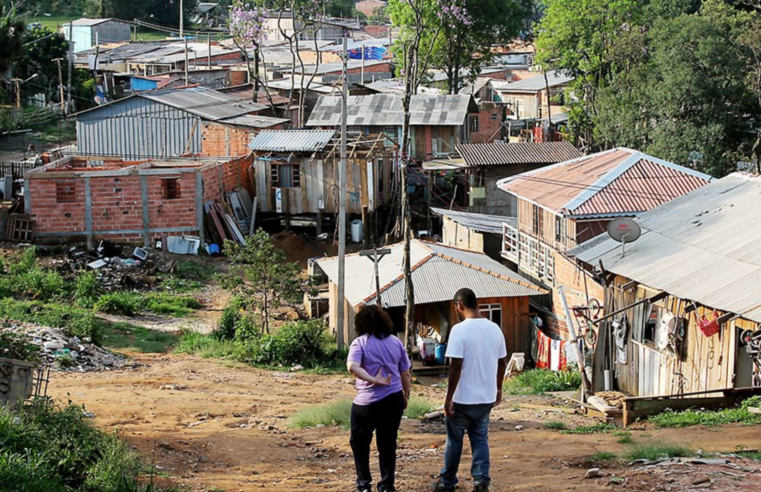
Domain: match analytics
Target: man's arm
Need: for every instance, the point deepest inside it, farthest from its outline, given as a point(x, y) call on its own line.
point(455, 370)
point(501, 367)
point(406, 385)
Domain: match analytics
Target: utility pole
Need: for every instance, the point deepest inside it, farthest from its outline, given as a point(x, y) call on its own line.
point(376, 255)
point(208, 43)
point(18, 93)
point(340, 326)
point(182, 21)
point(71, 65)
point(186, 60)
point(60, 83)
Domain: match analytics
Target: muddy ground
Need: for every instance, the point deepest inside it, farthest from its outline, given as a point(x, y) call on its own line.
point(216, 426)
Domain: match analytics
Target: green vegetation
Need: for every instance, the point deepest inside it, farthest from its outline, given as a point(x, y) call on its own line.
point(590, 429)
point(335, 413)
point(658, 451)
point(207, 346)
point(624, 437)
point(688, 418)
point(16, 346)
point(125, 336)
point(603, 457)
point(72, 320)
point(44, 448)
point(555, 425)
point(417, 407)
point(537, 381)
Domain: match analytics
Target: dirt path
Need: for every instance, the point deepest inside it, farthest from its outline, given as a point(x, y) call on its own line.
point(214, 426)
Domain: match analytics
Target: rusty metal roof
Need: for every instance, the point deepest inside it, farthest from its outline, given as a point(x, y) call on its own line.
point(613, 183)
point(438, 272)
point(704, 246)
point(291, 140)
point(502, 153)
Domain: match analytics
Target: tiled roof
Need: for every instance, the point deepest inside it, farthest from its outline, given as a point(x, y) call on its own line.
point(502, 153)
point(611, 183)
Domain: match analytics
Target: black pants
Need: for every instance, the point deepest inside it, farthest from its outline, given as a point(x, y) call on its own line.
point(383, 417)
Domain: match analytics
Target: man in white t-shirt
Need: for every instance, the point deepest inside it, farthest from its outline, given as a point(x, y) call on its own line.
point(477, 358)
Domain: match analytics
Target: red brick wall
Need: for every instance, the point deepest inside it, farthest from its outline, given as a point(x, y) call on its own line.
point(234, 175)
point(224, 140)
point(379, 68)
point(489, 119)
point(192, 61)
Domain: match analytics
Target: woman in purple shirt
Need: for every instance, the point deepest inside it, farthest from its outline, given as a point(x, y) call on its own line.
point(381, 399)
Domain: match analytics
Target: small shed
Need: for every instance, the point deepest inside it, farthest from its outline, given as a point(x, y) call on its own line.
point(86, 33)
point(475, 232)
point(438, 272)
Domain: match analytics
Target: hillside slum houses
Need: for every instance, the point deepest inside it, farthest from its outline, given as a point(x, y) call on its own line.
point(566, 204)
point(682, 302)
point(297, 176)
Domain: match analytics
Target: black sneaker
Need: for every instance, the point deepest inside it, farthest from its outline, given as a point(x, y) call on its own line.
point(481, 487)
point(385, 488)
point(440, 487)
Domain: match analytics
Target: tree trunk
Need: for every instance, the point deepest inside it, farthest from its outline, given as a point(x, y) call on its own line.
point(409, 312)
point(256, 78)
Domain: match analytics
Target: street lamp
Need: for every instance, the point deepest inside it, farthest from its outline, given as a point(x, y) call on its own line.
point(18, 88)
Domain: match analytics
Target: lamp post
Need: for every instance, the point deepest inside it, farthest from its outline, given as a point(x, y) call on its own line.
point(18, 88)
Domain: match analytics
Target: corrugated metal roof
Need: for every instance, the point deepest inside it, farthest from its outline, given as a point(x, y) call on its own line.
point(386, 110)
point(438, 272)
point(615, 182)
point(477, 222)
point(84, 21)
point(704, 246)
point(502, 153)
point(255, 121)
point(532, 84)
point(333, 67)
point(206, 103)
point(291, 140)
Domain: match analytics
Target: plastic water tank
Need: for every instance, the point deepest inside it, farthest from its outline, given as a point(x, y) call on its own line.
point(356, 231)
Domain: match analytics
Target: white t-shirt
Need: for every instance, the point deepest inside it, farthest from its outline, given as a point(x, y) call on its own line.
point(480, 344)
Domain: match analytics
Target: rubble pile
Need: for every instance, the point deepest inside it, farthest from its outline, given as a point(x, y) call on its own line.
point(117, 267)
point(62, 352)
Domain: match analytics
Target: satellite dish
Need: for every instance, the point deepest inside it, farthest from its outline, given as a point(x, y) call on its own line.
point(624, 230)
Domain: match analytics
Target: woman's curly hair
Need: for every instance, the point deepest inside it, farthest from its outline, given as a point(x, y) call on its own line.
point(373, 320)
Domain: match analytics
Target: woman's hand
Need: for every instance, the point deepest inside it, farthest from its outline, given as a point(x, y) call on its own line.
point(381, 380)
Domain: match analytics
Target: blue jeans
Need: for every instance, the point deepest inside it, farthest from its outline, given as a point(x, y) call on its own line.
point(475, 420)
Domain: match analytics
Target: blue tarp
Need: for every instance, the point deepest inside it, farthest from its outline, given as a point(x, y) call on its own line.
point(371, 53)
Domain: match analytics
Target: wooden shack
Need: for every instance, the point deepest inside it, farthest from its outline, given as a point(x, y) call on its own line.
point(296, 173)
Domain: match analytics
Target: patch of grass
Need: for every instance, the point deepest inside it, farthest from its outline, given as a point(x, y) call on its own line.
point(751, 455)
point(725, 416)
point(72, 320)
point(555, 425)
point(335, 413)
point(658, 451)
point(624, 437)
point(206, 346)
point(537, 381)
point(124, 303)
point(417, 407)
point(132, 303)
point(136, 338)
point(590, 429)
point(192, 270)
point(603, 457)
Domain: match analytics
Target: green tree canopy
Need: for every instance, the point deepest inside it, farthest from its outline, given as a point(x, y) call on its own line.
point(11, 36)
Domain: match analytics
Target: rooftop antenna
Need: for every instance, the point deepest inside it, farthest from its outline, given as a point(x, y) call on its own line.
point(624, 230)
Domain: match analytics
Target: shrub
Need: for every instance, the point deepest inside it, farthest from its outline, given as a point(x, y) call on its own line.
point(418, 407)
point(125, 303)
point(86, 289)
point(17, 346)
point(171, 304)
point(537, 381)
point(45, 448)
point(603, 457)
point(207, 346)
point(299, 342)
point(336, 413)
point(590, 429)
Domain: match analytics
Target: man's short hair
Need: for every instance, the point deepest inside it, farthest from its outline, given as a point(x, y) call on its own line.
point(467, 298)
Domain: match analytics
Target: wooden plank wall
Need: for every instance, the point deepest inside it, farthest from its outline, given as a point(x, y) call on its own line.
point(708, 364)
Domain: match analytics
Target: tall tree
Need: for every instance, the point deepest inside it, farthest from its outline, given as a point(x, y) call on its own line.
point(11, 36)
point(41, 47)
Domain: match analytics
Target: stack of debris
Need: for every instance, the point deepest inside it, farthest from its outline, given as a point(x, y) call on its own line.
point(66, 353)
point(117, 267)
point(232, 220)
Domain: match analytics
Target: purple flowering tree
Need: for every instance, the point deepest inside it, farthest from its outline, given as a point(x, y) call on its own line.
point(247, 30)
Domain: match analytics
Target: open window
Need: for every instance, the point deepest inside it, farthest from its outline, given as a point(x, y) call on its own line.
point(286, 175)
point(492, 312)
point(170, 189)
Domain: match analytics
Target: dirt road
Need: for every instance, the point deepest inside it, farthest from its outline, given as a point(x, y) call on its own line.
point(217, 427)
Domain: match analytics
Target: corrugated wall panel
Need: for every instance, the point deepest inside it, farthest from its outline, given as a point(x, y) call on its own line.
point(138, 128)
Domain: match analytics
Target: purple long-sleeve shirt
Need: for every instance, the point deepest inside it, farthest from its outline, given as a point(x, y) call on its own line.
point(374, 354)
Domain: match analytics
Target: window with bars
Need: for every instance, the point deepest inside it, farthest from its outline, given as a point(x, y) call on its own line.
point(474, 123)
point(286, 175)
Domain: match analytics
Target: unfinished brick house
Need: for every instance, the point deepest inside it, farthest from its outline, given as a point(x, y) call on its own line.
point(97, 198)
